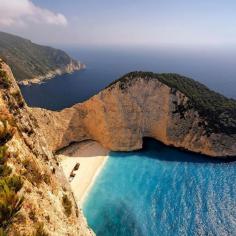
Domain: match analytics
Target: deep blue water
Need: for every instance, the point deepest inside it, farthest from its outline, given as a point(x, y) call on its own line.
point(163, 191)
point(215, 68)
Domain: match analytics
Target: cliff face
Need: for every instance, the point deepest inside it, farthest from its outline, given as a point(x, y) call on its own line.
point(122, 114)
point(47, 196)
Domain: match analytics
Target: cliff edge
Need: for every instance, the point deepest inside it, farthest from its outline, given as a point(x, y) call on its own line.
point(173, 109)
point(35, 197)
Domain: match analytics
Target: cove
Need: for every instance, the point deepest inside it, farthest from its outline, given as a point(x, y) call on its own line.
point(163, 191)
point(214, 68)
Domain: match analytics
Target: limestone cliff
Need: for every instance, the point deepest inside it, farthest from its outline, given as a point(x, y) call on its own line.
point(47, 196)
point(146, 105)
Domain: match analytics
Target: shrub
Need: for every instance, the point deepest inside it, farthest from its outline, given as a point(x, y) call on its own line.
point(10, 202)
point(18, 98)
point(15, 183)
point(5, 82)
point(3, 155)
point(67, 205)
point(10, 205)
point(6, 132)
point(5, 170)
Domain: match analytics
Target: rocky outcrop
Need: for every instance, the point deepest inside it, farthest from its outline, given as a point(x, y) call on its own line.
point(130, 109)
point(48, 199)
point(68, 69)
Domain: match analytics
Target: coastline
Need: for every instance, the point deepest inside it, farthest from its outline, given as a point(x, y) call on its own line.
point(96, 174)
point(91, 157)
point(70, 68)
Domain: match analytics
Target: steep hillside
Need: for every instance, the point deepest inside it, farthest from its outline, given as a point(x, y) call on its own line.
point(170, 108)
point(32, 61)
point(35, 197)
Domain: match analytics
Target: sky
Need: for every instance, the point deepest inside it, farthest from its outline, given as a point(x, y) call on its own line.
point(149, 23)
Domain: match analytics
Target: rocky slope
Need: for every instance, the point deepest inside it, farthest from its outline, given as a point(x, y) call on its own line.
point(48, 205)
point(33, 63)
point(172, 109)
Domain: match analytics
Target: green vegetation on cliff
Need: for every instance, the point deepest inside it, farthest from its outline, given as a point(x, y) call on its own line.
point(218, 110)
point(10, 184)
point(28, 60)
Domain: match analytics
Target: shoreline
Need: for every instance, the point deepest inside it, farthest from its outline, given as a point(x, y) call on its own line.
point(82, 163)
point(89, 187)
point(69, 69)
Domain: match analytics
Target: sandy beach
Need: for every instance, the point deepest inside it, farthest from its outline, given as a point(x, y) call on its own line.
point(81, 163)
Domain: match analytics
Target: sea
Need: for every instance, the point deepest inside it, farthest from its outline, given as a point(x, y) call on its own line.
point(214, 68)
point(162, 191)
point(159, 190)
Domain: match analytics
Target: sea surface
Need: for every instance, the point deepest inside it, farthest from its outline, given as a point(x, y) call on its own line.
point(215, 68)
point(157, 191)
point(162, 191)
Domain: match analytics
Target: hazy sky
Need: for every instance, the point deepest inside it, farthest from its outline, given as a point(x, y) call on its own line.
point(122, 22)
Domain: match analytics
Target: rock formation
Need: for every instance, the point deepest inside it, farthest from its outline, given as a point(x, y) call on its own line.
point(47, 195)
point(170, 108)
point(146, 105)
point(67, 69)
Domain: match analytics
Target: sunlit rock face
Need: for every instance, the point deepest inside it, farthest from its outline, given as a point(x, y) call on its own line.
point(125, 112)
point(44, 183)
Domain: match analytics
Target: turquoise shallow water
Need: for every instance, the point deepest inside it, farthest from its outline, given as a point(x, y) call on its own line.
point(163, 191)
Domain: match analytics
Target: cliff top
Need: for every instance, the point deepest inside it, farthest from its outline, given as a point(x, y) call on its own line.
point(28, 59)
point(219, 110)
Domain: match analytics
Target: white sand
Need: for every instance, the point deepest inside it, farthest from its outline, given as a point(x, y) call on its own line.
point(91, 156)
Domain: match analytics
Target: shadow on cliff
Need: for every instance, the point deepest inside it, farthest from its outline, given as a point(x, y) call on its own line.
point(151, 148)
point(157, 150)
point(73, 135)
point(87, 148)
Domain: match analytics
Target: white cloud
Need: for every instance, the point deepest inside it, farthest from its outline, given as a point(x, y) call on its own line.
point(24, 12)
